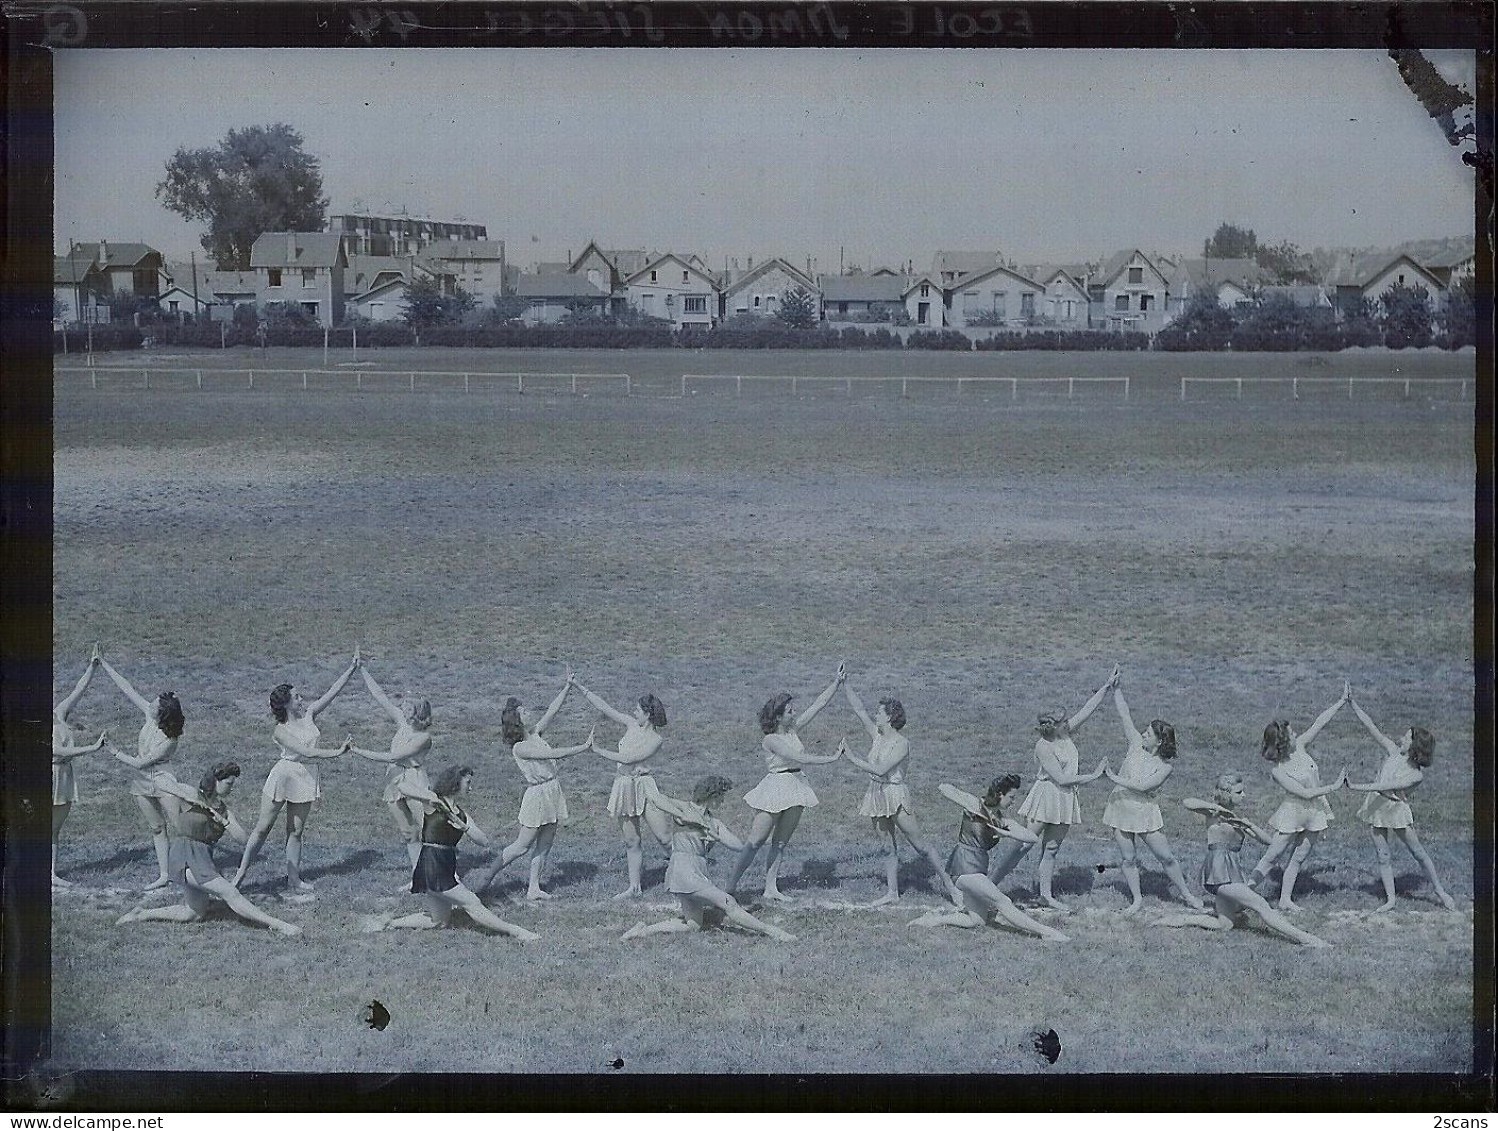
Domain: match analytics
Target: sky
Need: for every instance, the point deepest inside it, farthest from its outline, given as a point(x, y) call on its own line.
point(875, 156)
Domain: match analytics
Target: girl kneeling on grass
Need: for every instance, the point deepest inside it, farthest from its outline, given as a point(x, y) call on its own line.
point(1386, 809)
point(202, 818)
point(694, 832)
point(1222, 874)
point(435, 877)
point(983, 824)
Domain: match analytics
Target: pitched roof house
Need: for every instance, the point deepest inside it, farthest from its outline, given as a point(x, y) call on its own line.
point(550, 298)
point(860, 295)
point(305, 268)
point(949, 266)
point(997, 295)
point(1129, 293)
point(674, 287)
point(1369, 279)
point(1233, 281)
point(758, 292)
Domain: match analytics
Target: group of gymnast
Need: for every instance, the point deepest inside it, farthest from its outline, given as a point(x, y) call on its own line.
point(186, 821)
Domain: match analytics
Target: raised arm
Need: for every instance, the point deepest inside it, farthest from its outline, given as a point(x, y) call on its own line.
point(1326, 716)
point(1122, 706)
point(618, 716)
point(1092, 704)
point(140, 701)
point(1389, 745)
point(375, 690)
point(65, 708)
point(551, 712)
point(863, 716)
point(817, 704)
point(318, 706)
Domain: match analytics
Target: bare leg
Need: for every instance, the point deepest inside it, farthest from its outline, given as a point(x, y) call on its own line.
point(785, 825)
point(1006, 856)
point(1417, 850)
point(691, 920)
point(759, 832)
point(269, 811)
point(1222, 920)
point(437, 915)
point(1130, 852)
point(59, 817)
point(659, 824)
point(540, 854)
point(905, 821)
point(297, 813)
point(891, 863)
point(634, 855)
point(410, 830)
point(1385, 866)
point(242, 907)
point(156, 821)
point(463, 899)
point(1050, 843)
point(1306, 842)
point(192, 911)
point(512, 851)
point(736, 915)
point(1157, 844)
point(1276, 848)
point(1245, 896)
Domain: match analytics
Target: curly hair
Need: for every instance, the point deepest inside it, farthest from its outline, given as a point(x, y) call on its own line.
point(280, 699)
point(221, 771)
point(511, 729)
point(654, 709)
point(1227, 780)
point(169, 717)
point(1167, 736)
point(895, 710)
point(1422, 747)
point(710, 789)
point(773, 711)
point(994, 798)
point(450, 780)
point(1276, 746)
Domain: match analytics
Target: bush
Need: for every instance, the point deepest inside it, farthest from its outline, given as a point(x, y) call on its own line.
point(938, 340)
point(106, 337)
point(759, 334)
point(1067, 340)
point(1406, 317)
point(853, 338)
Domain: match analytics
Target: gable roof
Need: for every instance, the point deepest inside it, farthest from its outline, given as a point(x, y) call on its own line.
point(1301, 294)
point(211, 281)
point(656, 264)
point(561, 285)
point(1449, 258)
point(1242, 273)
point(313, 249)
point(1115, 264)
point(377, 290)
point(931, 279)
point(1360, 274)
point(964, 262)
point(120, 254)
point(979, 276)
point(862, 288)
point(71, 269)
point(800, 277)
point(1047, 273)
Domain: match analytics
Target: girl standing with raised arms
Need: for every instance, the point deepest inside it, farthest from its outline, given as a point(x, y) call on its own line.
point(409, 746)
point(1132, 812)
point(1051, 808)
point(64, 781)
point(543, 807)
point(1386, 809)
point(1304, 815)
point(152, 786)
point(293, 783)
point(634, 786)
point(782, 794)
point(887, 800)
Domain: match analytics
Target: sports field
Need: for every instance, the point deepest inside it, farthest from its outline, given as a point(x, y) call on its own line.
point(982, 560)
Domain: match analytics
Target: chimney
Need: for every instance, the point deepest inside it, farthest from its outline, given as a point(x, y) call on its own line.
point(103, 253)
point(290, 248)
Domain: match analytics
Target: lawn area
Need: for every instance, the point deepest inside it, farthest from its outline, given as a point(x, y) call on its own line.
point(982, 561)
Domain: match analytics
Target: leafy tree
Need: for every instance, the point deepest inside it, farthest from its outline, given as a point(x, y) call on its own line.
point(1458, 318)
point(124, 307)
point(1230, 242)
point(797, 308)
point(506, 308)
point(257, 180)
point(428, 304)
point(278, 314)
point(1406, 316)
point(1286, 263)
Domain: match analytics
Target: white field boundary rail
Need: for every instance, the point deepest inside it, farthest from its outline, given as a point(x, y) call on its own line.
point(796, 381)
point(1408, 386)
point(177, 378)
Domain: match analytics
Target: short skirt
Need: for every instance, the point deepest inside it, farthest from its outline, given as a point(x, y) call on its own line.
point(884, 799)
point(543, 805)
point(436, 868)
point(292, 781)
point(778, 792)
point(967, 861)
point(64, 783)
point(1297, 816)
point(631, 794)
point(1051, 804)
point(392, 791)
point(149, 783)
point(1128, 812)
point(687, 875)
point(183, 853)
point(1385, 813)
point(1221, 867)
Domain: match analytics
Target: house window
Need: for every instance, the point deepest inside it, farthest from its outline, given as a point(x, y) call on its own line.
point(1120, 302)
point(652, 276)
point(172, 306)
point(1001, 304)
point(376, 311)
point(1144, 302)
point(310, 308)
point(1401, 280)
point(925, 290)
point(309, 276)
point(756, 300)
point(694, 304)
point(970, 302)
point(842, 308)
point(275, 276)
point(539, 304)
point(683, 276)
point(1136, 274)
point(1027, 304)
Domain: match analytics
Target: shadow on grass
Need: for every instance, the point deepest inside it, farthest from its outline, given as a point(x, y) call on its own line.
point(815, 874)
point(917, 876)
point(570, 873)
point(1072, 879)
point(347, 865)
point(121, 857)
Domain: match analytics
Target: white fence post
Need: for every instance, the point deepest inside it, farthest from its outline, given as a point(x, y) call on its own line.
point(1240, 388)
point(1183, 388)
point(1349, 388)
point(200, 378)
point(146, 374)
point(1071, 385)
point(1126, 388)
point(465, 382)
point(252, 378)
point(520, 382)
point(574, 382)
point(628, 385)
point(738, 386)
point(903, 391)
point(1295, 387)
point(412, 377)
point(304, 378)
point(683, 386)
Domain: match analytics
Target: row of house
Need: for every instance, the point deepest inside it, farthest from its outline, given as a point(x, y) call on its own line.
point(325, 274)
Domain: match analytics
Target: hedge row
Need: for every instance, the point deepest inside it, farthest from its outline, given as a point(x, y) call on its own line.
point(105, 337)
point(1249, 339)
point(1067, 340)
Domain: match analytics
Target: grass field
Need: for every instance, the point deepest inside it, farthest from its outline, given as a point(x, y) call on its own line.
point(983, 563)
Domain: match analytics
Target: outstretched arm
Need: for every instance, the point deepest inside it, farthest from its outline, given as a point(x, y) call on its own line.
point(140, 701)
point(618, 716)
point(791, 753)
point(1052, 766)
point(1151, 781)
point(1016, 831)
point(550, 754)
point(379, 697)
point(318, 706)
point(65, 708)
point(289, 739)
point(64, 752)
point(1122, 706)
point(1326, 716)
point(1295, 789)
point(1403, 777)
point(726, 836)
point(551, 712)
point(420, 792)
point(817, 704)
point(410, 745)
point(1379, 736)
point(1092, 704)
point(863, 716)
